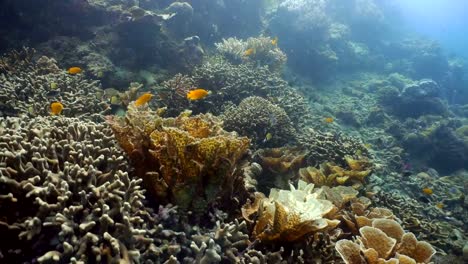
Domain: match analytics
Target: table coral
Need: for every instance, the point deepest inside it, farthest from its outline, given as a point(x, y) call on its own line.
point(69, 196)
point(188, 160)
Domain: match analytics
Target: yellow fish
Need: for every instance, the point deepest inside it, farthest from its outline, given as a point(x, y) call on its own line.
point(143, 99)
point(427, 191)
point(249, 52)
point(74, 70)
point(274, 41)
point(329, 120)
point(440, 205)
point(197, 94)
point(56, 108)
point(268, 136)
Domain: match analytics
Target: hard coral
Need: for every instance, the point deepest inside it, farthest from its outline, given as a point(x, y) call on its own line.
point(265, 123)
point(385, 241)
point(188, 160)
point(291, 215)
point(29, 85)
point(68, 196)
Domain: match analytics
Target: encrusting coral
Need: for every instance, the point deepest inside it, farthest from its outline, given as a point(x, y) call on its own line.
point(384, 242)
point(66, 194)
point(29, 85)
point(188, 160)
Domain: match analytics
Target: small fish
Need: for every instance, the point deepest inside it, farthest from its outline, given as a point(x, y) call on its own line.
point(440, 205)
point(329, 120)
point(274, 41)
point(143, 99)
point(56, 108)
point(115, 100)
point(267, 138)
point(249, 52)
point(427, 191)
point(368, 146)
point(197, 94)
point(74, 70)
point(53, 85)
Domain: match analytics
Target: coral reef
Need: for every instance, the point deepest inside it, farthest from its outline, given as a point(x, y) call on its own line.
point(188, 160)
point(29, 85)
point(266, 124)
point(67, 194)
point(385, 240)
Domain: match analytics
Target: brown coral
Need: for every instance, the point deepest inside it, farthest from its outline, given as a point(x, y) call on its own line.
point(330, 174)
point(188, 160)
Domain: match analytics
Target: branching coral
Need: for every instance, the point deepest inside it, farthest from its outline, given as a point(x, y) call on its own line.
point(385, 241)
point(28, 86)
point(188, 160)
point(263, 51)
point(265, 123)
point(68, 197)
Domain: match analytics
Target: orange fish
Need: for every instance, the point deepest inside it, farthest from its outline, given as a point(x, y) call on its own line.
point(428, 191)
point(197, 94)
point(74, 70)
point(249, 52)
point(56, 108)
point(329, 120)
point(274, 41)
point(143, 99)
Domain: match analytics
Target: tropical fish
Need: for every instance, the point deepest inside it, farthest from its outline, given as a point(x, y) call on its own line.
point(440, 205)
point(249, 52)
point(53, 85)
point(267, 138)
point(329, 120)
point(56, 108)
point(74, 70)
point(197, 94)
point(143, 99)
point(427, 191)
point(274, 41)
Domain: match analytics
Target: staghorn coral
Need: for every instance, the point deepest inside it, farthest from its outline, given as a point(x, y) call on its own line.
point(188, 160)
point(264, 52)
point(28, 86)
point(256, 117)
point(69, 196)
point(385, 240)
point(291, 215)
point(330, 174)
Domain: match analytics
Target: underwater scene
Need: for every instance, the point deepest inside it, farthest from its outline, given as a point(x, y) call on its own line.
point(233, 131)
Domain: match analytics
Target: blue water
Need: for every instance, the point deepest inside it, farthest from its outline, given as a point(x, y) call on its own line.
point(443, 20)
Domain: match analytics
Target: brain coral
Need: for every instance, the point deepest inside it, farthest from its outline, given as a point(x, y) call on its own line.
point(29, 85)
point(256, 117)
point(66, 195)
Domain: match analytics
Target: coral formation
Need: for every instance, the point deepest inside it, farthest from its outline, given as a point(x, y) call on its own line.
point(289, 215)
point(29, 85)
point(384, 241)
point(68, 196)
point(266, 124)
point(188, 160)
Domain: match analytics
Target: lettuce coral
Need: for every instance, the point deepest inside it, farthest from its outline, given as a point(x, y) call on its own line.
point(188, 160)
point(289, 215)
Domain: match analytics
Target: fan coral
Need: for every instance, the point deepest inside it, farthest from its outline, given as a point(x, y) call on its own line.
point(291, 215)
point(256, 117)
point(385, 241)
point(67, 195)
point(28, 86)
point(188, 160)
point(330, 174)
